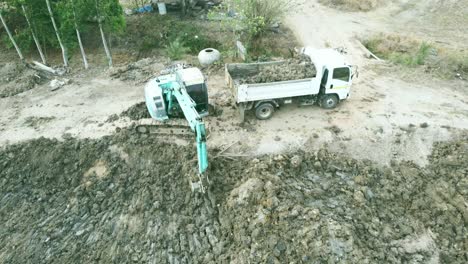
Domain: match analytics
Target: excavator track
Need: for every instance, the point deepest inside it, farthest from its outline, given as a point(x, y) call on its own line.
point(165, 130)
point(172, 127)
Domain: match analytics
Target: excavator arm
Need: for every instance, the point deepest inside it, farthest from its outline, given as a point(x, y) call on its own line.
point(195, 121)
point(167, 96)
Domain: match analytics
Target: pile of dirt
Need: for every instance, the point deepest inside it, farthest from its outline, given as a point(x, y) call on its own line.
point(139, 72)
point(16, 78)
point(353, 5)
point(125, 198)
point(136, 112)
point(37, 121)
point(297, 68)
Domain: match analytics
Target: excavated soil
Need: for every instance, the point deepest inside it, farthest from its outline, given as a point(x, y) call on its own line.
point(140, 71)
point(136, 112)
point(16, 78)
point(125, 198)
point(300, 67)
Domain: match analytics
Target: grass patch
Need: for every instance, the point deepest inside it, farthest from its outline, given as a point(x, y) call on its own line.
point(442, 62)
point(176, 49)
point(353, 5)
point(149, 32)
point(173, 36)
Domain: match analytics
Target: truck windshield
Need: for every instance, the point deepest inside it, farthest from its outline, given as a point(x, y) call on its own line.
point(341, 74)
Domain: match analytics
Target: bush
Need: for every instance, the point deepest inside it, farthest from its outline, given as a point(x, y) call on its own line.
point(176, 49)
point(399, 49)
point(256, 16)
point(148, 32)
point(444, 63)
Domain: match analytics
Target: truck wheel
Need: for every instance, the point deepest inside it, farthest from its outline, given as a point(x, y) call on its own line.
point(329, 101)
point(264, 111)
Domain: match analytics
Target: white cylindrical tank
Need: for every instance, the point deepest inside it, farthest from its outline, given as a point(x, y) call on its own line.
point(208, 56)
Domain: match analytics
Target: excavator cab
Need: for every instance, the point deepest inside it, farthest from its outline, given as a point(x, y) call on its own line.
point(194, 82)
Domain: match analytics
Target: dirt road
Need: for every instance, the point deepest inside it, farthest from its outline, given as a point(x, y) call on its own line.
point(386, 116)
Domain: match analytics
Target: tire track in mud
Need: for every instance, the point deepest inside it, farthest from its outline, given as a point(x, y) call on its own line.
point(125, 198)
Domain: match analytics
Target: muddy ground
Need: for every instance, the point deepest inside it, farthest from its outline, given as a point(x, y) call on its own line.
point(123, 198)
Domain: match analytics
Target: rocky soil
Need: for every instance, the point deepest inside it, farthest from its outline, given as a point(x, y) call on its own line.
point(136, 112)
point(140, 71)
point(16, 78)
point(300, 67)
point(126, 198)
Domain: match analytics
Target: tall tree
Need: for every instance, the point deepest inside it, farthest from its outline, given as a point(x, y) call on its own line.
point(103, 36)
point(109, 14)
point(78, 35)
point(62, 46)
point(20, 54)
point(33, 33)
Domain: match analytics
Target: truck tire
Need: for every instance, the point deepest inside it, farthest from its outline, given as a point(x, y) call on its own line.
point(329, 101)
point(264, 111)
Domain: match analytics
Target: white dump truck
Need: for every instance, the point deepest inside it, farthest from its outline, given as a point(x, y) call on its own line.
point(329, 84)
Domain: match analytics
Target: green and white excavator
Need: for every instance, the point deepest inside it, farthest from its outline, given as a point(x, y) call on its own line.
point(183, 91)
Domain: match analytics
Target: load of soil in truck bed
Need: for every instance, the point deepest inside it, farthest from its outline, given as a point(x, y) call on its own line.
point(300, 67)
point(125, 198)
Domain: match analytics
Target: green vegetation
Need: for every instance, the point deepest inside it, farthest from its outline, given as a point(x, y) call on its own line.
point(399, 50)
point(176, 49)
point(148, 32)
point(253, 21)
point(72, 17)
point(444, 63)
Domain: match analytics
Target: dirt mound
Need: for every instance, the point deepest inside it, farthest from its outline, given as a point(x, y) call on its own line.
point(353, 5)
point(125, 198)
point(139, 72)
point(136, 112)
point(16, 78)
point(297, 68)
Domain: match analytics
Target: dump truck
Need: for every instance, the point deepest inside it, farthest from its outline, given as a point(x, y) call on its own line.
point(264, 87)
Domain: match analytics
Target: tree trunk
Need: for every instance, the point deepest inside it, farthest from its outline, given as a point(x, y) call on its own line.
point(38, 45)
point(11, 38)
point(103, 36)
point(64, 50)
point(83, 54)
point(184, 7)
point(78, 35)
point(104, 42)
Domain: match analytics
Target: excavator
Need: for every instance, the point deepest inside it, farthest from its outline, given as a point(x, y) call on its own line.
point(181, 92)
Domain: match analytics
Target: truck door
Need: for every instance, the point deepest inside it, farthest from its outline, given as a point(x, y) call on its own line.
point(323, 82)
point(340, 82)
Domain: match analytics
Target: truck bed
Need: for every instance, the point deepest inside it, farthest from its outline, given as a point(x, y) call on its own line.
point(248, 92)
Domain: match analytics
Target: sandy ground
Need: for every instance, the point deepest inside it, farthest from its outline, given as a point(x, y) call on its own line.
point(384, 119)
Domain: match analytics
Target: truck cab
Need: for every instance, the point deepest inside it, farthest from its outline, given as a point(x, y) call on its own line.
point(334, 73)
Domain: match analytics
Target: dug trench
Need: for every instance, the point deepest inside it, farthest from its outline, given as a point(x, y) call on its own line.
point(125, 198)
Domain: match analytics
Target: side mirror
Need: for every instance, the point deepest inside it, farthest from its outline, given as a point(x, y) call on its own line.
point(355, 72)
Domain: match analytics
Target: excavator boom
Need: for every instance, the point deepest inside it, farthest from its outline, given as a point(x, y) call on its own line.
point(196, 124)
